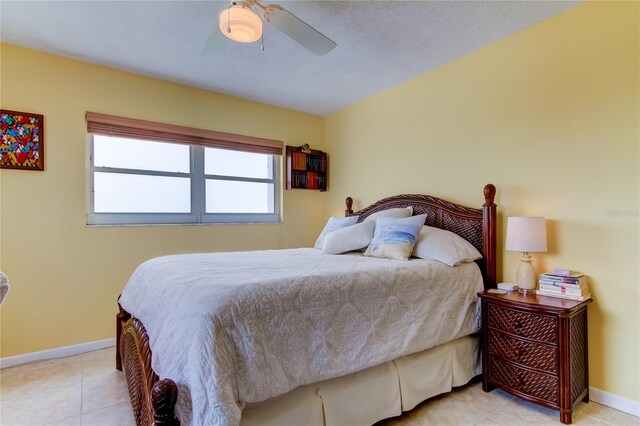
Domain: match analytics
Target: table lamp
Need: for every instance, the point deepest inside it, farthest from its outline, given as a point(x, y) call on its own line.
point(526, 234)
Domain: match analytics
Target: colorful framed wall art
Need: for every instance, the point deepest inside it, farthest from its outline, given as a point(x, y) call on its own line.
point(21, 140)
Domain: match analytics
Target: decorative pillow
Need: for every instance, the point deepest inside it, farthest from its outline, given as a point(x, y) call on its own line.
point(334, 223)
point(444, 246)
point(395, 238)
point(350, 238)
point(398, 213)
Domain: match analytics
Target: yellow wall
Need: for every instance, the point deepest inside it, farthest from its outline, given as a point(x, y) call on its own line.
point(66, 276)
point(551, 116)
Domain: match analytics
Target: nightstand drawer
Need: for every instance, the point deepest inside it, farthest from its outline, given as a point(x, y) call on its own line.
point(540, 357)
point(537, 385)
point(533, 326)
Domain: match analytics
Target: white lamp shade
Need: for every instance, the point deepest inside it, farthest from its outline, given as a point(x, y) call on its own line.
point(526, 234)
point(245, 26)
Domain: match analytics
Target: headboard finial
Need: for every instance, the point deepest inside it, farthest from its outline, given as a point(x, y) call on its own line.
point(489, 193)
point(349, 203)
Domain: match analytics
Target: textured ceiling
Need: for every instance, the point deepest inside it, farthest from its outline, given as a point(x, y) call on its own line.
point(380, 43)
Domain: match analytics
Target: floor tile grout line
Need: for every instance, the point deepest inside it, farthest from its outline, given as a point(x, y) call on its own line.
point(488, 418)
point(600, 420)
point(477, 411)
point(502, 404)
point(104, 408)
point(62, 420)
point(126, 401)
point(606, 407)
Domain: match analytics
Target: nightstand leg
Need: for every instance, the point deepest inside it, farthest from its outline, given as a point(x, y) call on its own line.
point(586, 397)
point(565, 418)
point(486, 386)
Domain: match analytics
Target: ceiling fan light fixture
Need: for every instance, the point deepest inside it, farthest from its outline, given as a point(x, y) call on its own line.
point(245, 25)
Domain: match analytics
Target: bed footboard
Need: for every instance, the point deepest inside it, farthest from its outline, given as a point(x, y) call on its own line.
point(153, 400)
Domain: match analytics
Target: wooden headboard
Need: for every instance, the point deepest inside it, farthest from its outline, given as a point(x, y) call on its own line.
point(478, 226)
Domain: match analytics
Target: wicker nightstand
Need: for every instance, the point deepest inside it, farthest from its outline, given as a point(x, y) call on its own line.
point(535, 347)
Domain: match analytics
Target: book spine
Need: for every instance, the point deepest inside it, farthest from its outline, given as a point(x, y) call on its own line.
point(573, 274)
point(565, 296)
point(566, 272)
point(559, 284)
point(315, 164)
point(564, 290)
point(309, 180)
point(558, 278)
point(299, 160)
point(553, 275)
point(568, 280)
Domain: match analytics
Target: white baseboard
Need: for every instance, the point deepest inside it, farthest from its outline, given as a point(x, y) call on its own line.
point(612, 400)
point(11, 361)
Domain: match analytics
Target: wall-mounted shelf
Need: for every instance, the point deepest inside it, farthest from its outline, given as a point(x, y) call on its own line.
point(306, 169)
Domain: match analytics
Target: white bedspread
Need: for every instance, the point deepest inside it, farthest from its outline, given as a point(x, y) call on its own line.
point(233, 328)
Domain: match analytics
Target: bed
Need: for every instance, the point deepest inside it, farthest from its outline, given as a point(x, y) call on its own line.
point(275, 307)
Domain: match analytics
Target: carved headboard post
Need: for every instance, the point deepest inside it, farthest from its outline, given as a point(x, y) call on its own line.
point(349, 210)
point(489, 233)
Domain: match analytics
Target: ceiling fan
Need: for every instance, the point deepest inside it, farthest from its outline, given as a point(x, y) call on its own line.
point(240, 23)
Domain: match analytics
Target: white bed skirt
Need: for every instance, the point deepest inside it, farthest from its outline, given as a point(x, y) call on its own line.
point(376, 393)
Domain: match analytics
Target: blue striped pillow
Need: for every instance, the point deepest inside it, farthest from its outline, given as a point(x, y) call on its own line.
point(395, 238)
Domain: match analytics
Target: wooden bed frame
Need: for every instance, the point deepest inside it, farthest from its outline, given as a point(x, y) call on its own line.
point(153, 399)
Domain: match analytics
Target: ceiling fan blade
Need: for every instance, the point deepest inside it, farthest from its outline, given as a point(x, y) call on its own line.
point(298, 30)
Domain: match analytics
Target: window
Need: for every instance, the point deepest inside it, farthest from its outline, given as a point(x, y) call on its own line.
point(147, 181)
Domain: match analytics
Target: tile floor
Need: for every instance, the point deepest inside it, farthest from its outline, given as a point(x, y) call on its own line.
point(87, 390)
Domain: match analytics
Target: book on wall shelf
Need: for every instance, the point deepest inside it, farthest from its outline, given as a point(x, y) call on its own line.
point(564, 284)
point(306, 168)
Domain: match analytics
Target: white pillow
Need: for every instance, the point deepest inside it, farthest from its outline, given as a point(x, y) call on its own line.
point(350, 238)
point(334, 223)
point(395, 238)
point(399, 213)
point(444, 246)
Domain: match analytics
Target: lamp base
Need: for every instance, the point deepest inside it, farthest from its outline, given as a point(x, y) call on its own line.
point(526, 276)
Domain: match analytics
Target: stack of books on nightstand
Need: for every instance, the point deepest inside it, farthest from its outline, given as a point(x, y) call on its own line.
point(564, 284)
